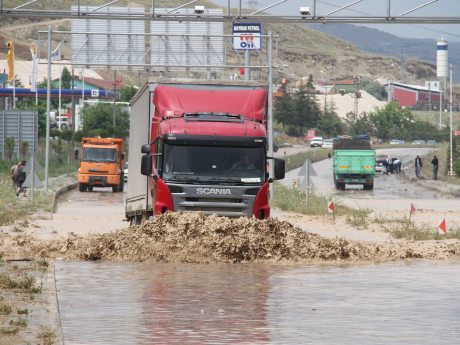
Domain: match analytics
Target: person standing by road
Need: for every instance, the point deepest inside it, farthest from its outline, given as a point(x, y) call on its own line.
point(14, 175)
point(418, 166)
point(21, 177)
point(435, 163)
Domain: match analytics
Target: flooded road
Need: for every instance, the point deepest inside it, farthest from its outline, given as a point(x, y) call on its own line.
point(147, 303)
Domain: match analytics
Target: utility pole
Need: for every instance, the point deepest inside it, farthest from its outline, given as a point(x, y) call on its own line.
point(451, 171)
point(114, 100)
point(357, 95)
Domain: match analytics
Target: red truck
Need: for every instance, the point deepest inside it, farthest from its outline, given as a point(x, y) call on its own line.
point(204, 146)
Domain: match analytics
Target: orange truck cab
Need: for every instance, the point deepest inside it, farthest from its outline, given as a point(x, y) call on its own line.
point(102, 164)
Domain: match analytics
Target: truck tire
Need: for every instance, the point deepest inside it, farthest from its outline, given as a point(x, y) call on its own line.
point(82, 187)
point(369, 186)
point(90, 188)
point(115, 188)
point(122, 184)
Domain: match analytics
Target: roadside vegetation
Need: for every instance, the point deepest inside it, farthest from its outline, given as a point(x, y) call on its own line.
point(292, 199)
point(21, 283)
point(14, 208)
point(404, 228)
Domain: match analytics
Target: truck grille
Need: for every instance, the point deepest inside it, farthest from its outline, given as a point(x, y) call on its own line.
point(213, 200)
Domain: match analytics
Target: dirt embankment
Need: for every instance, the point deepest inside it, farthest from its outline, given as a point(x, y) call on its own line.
point(193, 237)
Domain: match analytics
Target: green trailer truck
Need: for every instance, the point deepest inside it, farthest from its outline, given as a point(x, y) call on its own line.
point(353, 163)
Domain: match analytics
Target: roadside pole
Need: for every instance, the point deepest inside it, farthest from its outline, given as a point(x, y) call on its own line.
point(270, 112)
point(451, 171)
point(48, 108)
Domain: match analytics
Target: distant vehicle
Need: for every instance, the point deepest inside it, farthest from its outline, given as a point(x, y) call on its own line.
point(63, 120)
point(353, 162)
point(418, 142)
point(362, 137)
point(431, 142)
point(327, 144)
point(311, 133)
point(381, 165)
point(126, 172)
point(396, 142)
point(102, 164)
point(316, 142)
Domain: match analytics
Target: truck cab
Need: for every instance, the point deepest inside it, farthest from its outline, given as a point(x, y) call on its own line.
point(207, 151)
point(102, 164)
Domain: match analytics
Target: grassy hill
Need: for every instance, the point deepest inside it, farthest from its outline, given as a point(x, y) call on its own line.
point(385, 44)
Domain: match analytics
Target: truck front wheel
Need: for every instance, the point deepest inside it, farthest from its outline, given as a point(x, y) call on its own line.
point(369, 186)
point(82, 187)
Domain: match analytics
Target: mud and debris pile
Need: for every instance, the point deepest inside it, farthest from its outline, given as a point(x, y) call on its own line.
point(195, 238)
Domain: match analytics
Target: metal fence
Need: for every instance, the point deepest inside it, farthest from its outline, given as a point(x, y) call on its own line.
point(22, 125)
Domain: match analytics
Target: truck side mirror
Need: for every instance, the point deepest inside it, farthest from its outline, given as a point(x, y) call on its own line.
point(145, 148)
point(146, 165)
point(280, 168)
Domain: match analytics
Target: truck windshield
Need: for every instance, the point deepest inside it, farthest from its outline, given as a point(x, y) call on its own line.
point(216, 164)
point(92, 154)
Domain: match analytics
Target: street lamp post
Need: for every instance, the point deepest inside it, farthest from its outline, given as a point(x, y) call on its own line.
point(451, 171)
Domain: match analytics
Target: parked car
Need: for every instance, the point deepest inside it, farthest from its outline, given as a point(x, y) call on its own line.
point(431, 142)
point(327, 143)
point(388, 165)
point(126, 172)
point(396, 142)
point(316, 142)
point(418, 142)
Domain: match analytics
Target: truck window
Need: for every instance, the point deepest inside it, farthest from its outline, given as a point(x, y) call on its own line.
point(201, 164)
point(158, 159)
point(92, 154)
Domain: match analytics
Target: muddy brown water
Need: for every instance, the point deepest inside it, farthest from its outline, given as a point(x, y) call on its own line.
point(151, 303)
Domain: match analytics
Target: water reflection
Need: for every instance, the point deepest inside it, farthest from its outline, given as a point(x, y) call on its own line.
point(145, 303)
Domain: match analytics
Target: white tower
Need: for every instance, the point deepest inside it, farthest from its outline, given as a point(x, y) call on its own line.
point(442, 67)
point(441, 72)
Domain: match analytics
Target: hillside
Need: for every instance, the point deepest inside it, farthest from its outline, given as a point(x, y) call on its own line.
point(299, 52)
point(389, 45)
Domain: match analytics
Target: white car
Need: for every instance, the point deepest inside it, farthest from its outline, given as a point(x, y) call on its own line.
point(316, 142)
point(328, 144)
point(126, 172)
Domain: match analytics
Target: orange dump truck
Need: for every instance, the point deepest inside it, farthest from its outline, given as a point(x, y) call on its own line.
point(102, 164)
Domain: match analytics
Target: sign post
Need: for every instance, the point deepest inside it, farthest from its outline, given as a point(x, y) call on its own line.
point(246, 36)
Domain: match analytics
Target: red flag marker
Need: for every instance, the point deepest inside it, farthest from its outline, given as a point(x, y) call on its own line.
point(330, 206)
point(442, 227)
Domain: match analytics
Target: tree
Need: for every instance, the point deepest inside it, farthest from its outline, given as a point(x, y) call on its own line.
point(358, 124)
point(283, 109)
point(375, 89)
point(330, 124)
point(306, 111)
point(66, 78)
point(9, 146)
point(127, 93)
point(391, 121)
point(98, 121)
point(23, 149)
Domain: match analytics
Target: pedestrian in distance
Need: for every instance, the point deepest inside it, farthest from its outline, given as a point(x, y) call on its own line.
point(14, 175)
point(435, 163)
point(21, 177)
point(418, 166)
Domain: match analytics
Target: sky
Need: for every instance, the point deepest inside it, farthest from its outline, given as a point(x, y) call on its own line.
point(441, 8)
